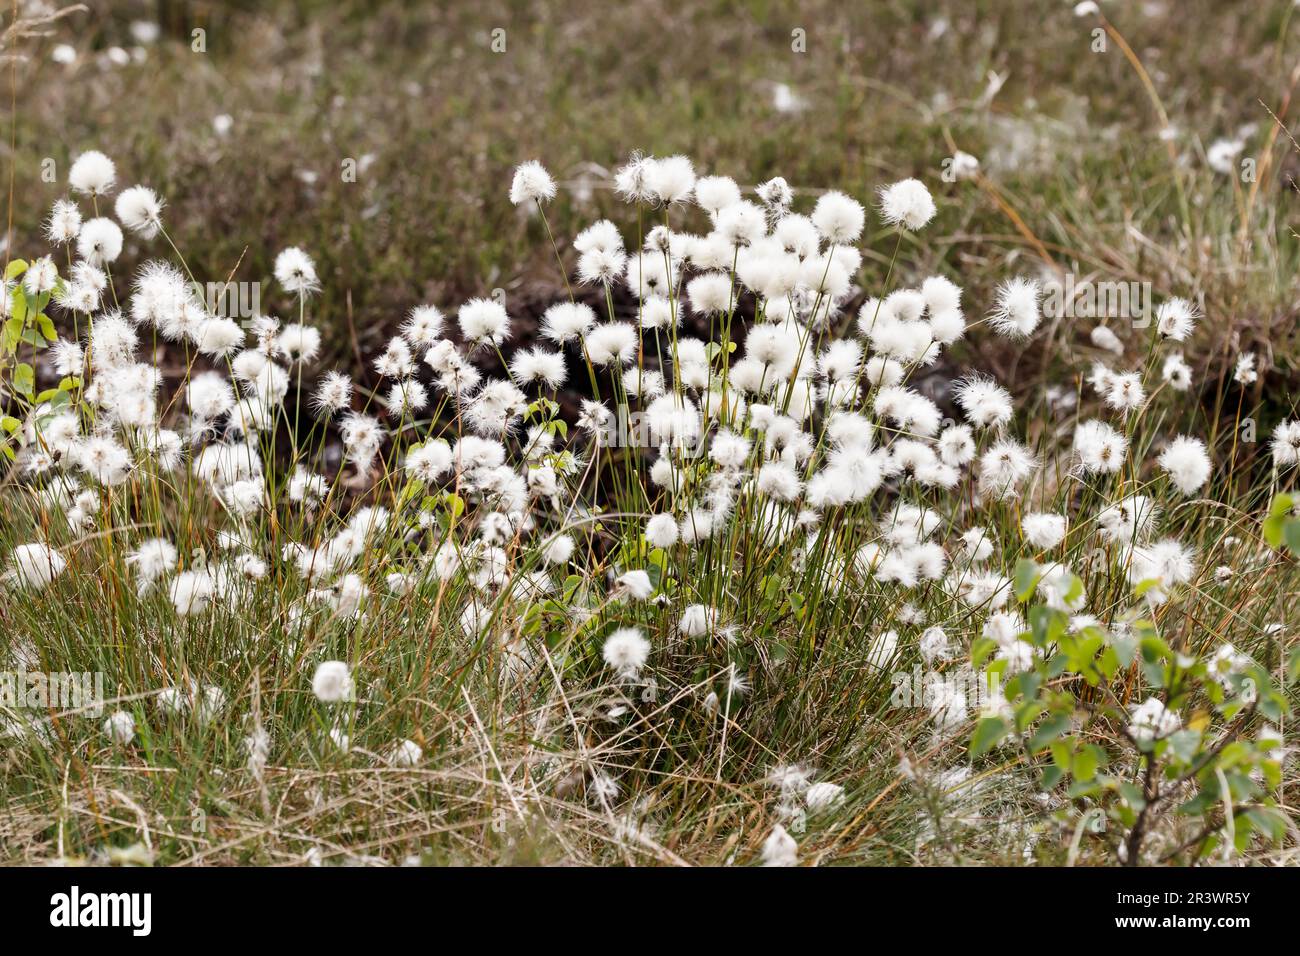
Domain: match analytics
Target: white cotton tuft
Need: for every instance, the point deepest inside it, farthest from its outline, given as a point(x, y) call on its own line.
point(99, 242)
point(626, 651)
point(296, 271)
point(838, 218)
point(120, 728)
point(558, 550)
point(715, 193)
point(92, 172)
point(566, 321)
point(484, 321)
point(661, 531)
point(1187, 463)
point(140, 210)
point(531, 183)
point(780, 849)
point(697, 620)
point(405, 753)
point(1104, 338)
point(1286, 444)
point(985, 402)
point(907, 203)
point(1044, 530)
point(1175, 319)
point(1100, 447)
point(34, 565)
point(332, 682)
point(538, 366)
point(710, 294)
point(671, 180)
point(1016, 313)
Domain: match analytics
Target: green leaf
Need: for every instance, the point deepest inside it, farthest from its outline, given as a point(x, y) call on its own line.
point(18, 308)
point(1185, 743)
point(1046, 625)
point(1052, 727)
point(1272, 529)
point(10, 424)
point(1025, 684)
point(1132, 795)
point(1084, 788)
point(980, 650)
point(1154, 648)
point(24, 379)
point(1084, 766)
point(13, 333)
point(1145, 585)
point(1293, 666)
point(409, 491)
point(1268, 821)
point(1025, 579)
point(1108, 663)
point(455, 503)
point(1125, 649)
point(1082, 653)
point(15, 268)
point(1291, 534)
point(1088, 761)
point(1062, 754)
point(1279, 512)
point(47, 329)
point(1026, 713)
point(988, 732)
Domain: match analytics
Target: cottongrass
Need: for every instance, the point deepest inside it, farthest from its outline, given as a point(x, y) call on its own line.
point(425, 595)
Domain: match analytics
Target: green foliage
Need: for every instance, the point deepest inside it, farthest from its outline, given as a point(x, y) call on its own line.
point(1073, 716)
point(27, 330)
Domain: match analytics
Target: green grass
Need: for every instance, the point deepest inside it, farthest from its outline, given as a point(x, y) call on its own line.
point(1069, 145)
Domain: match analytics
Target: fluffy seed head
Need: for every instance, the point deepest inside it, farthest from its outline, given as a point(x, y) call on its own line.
point(1016, 313)
point(838, 218)
point(626, 651)
point(332, 682)
point(484, 321)
point(296, 272)
point(1187, 463)
point(99, 242)
point(92, 172)
point(1043, 530)
point(715, 193)
point(907, 203)
point(140, 210)
point(531, 183)
point(1175, 319)
point(34, 565)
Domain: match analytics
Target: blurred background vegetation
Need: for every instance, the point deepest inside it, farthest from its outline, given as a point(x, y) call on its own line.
point(244, 116)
